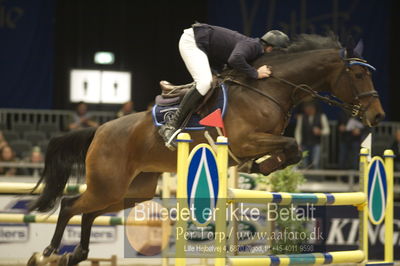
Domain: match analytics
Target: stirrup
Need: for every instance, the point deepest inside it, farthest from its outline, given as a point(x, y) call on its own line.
point(170, 143)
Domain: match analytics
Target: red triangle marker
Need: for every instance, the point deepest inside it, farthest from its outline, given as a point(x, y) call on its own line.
point(214, 120)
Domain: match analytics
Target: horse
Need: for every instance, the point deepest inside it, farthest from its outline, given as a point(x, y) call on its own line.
point(123, 158)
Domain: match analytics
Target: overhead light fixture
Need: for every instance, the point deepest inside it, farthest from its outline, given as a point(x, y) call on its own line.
point(104, 58)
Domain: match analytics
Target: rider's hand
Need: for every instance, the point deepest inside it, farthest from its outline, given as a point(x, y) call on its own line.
point(356, 132)
point(317, 131)
point(264, 72)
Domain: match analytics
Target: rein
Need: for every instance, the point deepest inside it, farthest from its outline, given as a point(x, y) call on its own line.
point(229, 79)
point(356, 109)
point(353, 108)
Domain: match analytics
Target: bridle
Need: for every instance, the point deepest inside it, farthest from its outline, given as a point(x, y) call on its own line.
point(355, 108)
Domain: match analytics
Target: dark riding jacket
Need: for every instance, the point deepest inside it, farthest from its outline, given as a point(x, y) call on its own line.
point(308, 137)
point(224, 46)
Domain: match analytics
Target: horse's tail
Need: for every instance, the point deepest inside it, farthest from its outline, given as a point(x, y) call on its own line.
point(62, 154)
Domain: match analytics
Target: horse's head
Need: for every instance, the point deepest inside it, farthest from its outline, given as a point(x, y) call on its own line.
point(353, 85)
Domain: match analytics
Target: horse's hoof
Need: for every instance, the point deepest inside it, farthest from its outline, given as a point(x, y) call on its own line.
point(37, 259)
point(64, 259)
point(33, 260)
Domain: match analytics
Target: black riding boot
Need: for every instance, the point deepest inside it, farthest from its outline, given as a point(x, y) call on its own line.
point(169, 131)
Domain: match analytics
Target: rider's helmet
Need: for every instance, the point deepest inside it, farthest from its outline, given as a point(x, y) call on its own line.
point(275, 38)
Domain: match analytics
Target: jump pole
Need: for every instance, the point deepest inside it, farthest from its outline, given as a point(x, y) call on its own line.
point(26, 188)
point(363, 209)
point(365, 173)
point(220, 223)
point(388, 156)
point(183, 141)
point(15, 218)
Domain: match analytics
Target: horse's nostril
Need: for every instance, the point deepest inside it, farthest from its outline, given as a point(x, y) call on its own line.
point(379, 117)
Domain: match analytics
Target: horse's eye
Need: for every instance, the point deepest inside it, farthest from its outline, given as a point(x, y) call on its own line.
point(359, 75)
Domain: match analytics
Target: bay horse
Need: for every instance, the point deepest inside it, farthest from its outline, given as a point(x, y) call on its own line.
point(123, 158)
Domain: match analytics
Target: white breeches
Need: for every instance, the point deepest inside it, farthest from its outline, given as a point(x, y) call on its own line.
point(196, 61)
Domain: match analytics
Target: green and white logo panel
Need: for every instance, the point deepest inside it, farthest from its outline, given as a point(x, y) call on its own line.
point(377, 190)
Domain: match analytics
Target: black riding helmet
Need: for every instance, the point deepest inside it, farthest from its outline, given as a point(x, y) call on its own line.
point(275, 38)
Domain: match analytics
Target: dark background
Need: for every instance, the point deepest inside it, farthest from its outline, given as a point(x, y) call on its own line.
point(42, 40)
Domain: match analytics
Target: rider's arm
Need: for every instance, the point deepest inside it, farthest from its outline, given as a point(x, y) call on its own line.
point(325, 125)
point(243, 53)
point(297, 131)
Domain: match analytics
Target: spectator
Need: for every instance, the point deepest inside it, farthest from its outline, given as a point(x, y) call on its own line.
point(3, 141)
point(396, 149)
point(7, 155)
point(342, 138)
point(310, 126)
point(126, 109)
point(82, 118)
point(350, 132)
point(36, 156)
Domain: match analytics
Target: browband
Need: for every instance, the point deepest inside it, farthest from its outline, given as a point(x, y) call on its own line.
point(354, 62)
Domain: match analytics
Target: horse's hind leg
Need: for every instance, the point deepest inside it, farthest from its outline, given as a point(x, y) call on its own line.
point(92, 200)
point(142, 188)
point(64, 216)
point(63, 219)
point(81, 251)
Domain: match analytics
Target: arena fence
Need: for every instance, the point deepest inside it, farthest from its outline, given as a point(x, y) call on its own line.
point(9, 118)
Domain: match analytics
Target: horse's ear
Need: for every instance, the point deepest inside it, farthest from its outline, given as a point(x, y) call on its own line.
point(358, 50)
point(332, 35)
point(343, 53)
point(350, 44)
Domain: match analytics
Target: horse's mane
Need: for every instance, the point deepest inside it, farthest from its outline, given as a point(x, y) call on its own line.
point(304, 43)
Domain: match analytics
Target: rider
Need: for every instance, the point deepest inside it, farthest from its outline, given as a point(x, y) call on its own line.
point(203, 47)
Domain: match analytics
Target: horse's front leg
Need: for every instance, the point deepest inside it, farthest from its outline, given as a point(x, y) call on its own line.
point(283, 151)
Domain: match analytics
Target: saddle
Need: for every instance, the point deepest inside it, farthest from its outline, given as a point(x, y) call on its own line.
point(169, 90)
point(173, 94)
